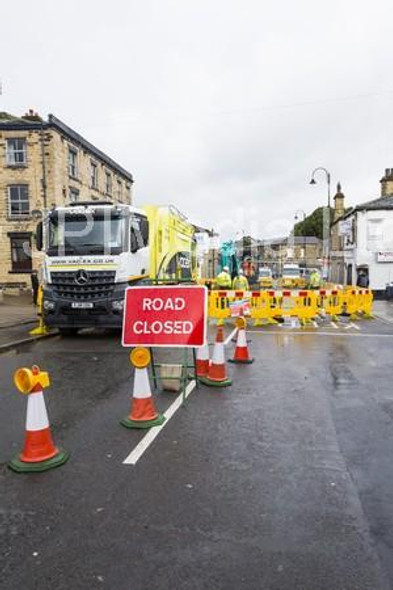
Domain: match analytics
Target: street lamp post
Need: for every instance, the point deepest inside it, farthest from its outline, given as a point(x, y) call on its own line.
point(297, 218)
point(326, 216)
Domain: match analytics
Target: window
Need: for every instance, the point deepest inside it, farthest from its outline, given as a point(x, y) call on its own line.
point(16, 152)
point(73, 162)
point(119, 190)
point(374, 234)
point(74, 195)
point(93, 175)
point(128, 192)
point(21, 252)
point(139, 237)
point(18, 200)
point(108, 183)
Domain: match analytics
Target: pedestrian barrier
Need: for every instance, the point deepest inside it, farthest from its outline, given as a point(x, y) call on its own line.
point(330, 303)
point(39, 452)
point(351, 303)
point(269, 307)
point(366, 303)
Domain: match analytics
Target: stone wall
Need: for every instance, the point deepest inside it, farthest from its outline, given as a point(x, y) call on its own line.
point(58, 185)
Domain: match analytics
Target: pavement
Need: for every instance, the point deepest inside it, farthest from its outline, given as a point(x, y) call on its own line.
point(282, 481)
point(384, 310)
point(18, 315)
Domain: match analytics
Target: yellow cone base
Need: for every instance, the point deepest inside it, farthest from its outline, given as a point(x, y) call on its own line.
point(22, 467)
point(210, 383)
point(143, 423)
point(40, 330)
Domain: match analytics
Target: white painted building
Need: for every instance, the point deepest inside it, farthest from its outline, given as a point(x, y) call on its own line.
point(367, 239)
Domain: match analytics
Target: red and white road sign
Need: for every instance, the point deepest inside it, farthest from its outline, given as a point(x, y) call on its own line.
point(165, 316)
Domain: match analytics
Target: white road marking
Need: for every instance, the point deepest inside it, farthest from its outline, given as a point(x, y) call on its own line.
point(332, 334)
point(231, 335)
point(355, 326)
point(315, 324)
point(149, 437)
point(383, 320)
point(334, 325)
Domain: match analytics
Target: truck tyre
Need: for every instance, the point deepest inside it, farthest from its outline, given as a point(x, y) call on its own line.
point(67, 332)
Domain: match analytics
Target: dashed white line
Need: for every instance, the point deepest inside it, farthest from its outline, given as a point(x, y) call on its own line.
point(149, 437)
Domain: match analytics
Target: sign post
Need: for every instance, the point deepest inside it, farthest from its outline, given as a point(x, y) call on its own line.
point(166, 316)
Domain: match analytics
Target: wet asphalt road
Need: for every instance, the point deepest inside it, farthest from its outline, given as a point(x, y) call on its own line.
point(282, 482)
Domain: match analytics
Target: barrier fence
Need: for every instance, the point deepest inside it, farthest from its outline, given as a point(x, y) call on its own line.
point(269, 307)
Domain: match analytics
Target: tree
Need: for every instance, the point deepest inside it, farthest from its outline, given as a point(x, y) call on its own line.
point(312, 225)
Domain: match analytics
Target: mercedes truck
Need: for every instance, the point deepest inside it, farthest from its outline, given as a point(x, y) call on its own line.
point(94, 250)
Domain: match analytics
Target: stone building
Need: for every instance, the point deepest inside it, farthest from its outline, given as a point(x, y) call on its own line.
point(45, 164)
point(337, 270)
point(303, 250)
point(363, 239)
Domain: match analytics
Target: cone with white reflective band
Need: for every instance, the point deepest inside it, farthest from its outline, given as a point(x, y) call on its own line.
point(202, 361)
point(143, 413)
point(242, 355)
point(217, 374)
point(39, 452)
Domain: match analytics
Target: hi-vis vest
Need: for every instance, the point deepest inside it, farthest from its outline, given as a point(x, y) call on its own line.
point(240, 284)
point(223, 280)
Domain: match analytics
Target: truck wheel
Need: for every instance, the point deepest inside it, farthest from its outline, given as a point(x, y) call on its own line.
point(66, 332)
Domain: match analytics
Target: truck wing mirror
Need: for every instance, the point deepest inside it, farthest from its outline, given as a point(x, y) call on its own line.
point(38, 236)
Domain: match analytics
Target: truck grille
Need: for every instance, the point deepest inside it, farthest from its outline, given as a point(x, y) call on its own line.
point(97, 284)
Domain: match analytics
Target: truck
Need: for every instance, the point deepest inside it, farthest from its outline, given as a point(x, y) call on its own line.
point(94, 250)
point(265, 277)
point(290, 276)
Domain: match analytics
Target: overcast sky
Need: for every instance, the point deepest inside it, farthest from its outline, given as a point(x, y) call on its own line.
point(222, 108)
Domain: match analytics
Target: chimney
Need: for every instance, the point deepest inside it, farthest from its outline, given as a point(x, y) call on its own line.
point(387, 183)
point(339, 208)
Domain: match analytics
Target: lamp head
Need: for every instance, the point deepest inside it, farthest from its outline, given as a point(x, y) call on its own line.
point(312, 181)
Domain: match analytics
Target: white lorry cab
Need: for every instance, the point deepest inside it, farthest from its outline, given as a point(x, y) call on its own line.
point(95, 250)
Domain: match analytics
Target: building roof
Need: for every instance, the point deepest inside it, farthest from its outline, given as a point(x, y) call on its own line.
point(379, 204)
point(33, 122)
point(291, 240)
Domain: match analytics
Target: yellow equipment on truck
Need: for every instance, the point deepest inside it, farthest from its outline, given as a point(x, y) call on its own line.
point(95, 250)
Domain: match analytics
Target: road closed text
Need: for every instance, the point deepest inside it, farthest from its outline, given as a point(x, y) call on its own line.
point(165, 316)
point(159, 327)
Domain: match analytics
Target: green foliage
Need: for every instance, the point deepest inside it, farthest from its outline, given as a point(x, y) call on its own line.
point(313, 224)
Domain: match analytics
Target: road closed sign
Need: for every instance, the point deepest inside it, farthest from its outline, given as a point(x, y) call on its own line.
point(165, 316)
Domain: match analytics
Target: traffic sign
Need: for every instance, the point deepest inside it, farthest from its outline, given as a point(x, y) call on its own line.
point(165, 316)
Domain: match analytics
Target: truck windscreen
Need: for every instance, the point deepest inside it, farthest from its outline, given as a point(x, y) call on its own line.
point(86, 234)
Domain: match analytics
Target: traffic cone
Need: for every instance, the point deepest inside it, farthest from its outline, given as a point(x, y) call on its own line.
point(143, 413)
point(39, 452)
point(217, 373)
point(202, 361)
point(241, 355)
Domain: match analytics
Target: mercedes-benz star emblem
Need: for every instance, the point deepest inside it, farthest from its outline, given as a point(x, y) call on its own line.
point(81, 277)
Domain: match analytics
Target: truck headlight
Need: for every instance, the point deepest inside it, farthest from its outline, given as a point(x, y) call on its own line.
point(49, 305)
point(118, 305)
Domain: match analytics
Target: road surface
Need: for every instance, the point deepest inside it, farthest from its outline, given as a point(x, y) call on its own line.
point(283, 481)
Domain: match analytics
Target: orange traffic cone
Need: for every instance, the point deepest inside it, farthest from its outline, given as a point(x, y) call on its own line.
point(39, 452)
point(217, 373)
point(143, 413)
point(202, 361)
point(241, 355)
